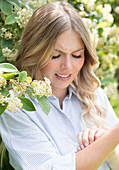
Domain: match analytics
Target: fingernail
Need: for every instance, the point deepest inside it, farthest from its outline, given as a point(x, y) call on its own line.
point(78, 148)
point(98, 134)
point(90, 142)
point(82, 147)
point(86, 144)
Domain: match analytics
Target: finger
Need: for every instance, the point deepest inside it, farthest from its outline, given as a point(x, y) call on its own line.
point(78, 148)
point(99, 133)
point(79, 136)
point(91, 136)
point(85, 134)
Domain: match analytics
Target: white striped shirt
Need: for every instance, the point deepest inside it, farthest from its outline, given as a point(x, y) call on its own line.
point(36, 141)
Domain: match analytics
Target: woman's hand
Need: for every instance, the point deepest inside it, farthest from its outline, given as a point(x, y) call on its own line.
point(88, 136)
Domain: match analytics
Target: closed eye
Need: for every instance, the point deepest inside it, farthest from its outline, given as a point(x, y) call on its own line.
point(77, 56)
point(54, 57)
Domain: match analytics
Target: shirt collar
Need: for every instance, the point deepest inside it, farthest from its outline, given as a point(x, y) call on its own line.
point(71, 91)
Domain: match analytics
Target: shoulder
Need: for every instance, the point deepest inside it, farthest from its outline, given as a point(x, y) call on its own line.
point(101, 94)
point(102, 100)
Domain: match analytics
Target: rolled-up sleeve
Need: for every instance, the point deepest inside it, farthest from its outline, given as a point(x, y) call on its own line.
point(29, 147)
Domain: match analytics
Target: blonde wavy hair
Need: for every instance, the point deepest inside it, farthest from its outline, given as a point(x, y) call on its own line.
point(37, 45)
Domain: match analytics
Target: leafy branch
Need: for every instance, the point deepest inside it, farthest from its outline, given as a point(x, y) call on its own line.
point(16, 89)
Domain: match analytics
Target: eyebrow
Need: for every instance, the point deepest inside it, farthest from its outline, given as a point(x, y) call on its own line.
point(72, 52)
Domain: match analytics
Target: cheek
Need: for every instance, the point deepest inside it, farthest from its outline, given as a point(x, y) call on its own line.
point(79, 65)
point(48, 68)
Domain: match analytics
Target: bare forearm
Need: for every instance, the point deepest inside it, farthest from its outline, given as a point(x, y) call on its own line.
point(113, 159)
point(96, 153)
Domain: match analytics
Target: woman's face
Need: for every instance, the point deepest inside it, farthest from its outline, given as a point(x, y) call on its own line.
point(66, 62)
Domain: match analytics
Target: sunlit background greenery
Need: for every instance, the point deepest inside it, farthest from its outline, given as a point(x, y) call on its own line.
point(102, 20)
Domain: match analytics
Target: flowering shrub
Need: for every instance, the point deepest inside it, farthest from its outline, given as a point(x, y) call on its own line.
point(23, 89)
point(102, 20)
point(101, 17)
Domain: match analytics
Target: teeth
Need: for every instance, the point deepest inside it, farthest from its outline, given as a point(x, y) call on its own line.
point(62, 75)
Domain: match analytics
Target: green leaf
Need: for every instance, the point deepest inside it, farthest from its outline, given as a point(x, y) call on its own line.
point(100, 31)
point(11, 19)
point(22, 76)
point(3, 108)
point(28, 5)
point(117, 73)
point(6, 43)
point(44, 103)
point(20, 32)
point(8, 76)
point(16, 2)
point(118, 53)
point(6, 7)
point(27, 104)
point(7, 67)
point(107, 81)
point(2, 58)
point(4, 91)
point(30, 91)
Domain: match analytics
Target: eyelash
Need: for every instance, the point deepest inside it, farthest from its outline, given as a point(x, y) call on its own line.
point(54, 57)
point(75, 56)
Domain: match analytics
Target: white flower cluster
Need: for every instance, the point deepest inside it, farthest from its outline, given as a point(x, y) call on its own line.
point(116, 9)
point(42, 88)
point(15, 33)
point(107, 67)
point(90, 4)
point(3, 82)
point(10, 54)
point(9, 33)
point(92, 25)
point(19, 88)
point(111, 90)
point(13, 103)
point(108, 32)
point(24, 16)
point(106, 13)
point(36, 3)
point(6, 34)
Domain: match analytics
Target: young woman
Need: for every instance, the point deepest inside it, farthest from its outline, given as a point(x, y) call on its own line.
point(81, 131)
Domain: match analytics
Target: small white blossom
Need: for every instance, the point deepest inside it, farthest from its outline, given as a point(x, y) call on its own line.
point(88, 22)
point(116, 9)
point(6, 34)
point(24, 16)
point(42, 88)
point(107, 8)
point(99, 7)
point(10, 54)
point(111, 90)
point(13, 104)
point(3, 82)
point(108, 17)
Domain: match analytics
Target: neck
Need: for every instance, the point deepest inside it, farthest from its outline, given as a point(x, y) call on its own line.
point(60, 94)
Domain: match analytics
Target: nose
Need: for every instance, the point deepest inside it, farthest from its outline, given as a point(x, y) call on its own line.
point(66, 63)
